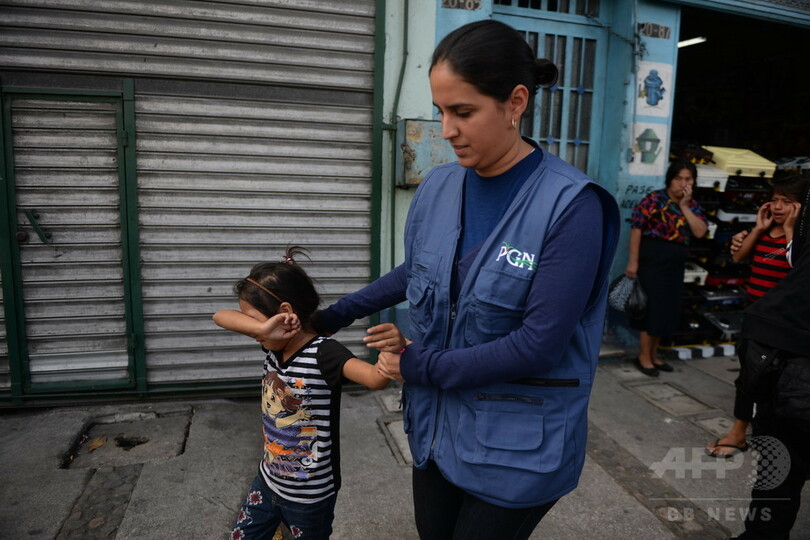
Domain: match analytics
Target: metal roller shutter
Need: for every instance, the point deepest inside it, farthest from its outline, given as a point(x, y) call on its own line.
point(66, 172)
point(253, 131)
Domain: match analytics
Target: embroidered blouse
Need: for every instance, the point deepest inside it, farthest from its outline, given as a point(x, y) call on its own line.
point(659, 216)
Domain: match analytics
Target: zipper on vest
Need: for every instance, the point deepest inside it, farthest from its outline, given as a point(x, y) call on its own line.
point(548, 383)
point(439, 400)
point(529, 400)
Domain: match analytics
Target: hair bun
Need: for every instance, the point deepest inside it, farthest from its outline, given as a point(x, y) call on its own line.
point(545, 72)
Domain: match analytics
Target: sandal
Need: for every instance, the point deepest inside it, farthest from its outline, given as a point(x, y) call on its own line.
point(737, 450)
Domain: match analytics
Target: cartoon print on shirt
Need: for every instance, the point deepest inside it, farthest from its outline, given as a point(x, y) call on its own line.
point(289, 439)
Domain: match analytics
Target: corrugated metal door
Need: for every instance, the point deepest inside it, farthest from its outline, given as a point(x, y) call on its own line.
point(253, 122)
point(66, 173)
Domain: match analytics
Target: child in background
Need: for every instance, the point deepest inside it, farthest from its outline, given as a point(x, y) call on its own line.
point(766, 244)
point(299, 474)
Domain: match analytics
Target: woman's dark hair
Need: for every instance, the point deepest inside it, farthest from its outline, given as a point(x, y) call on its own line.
point(677, 166)
point(285, 281)
point(493, 57)
point(790, 186)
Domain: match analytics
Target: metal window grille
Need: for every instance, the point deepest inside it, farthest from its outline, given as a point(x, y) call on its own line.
point(572, 7)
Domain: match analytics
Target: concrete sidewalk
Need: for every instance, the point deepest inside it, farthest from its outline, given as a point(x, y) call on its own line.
point(181, 469)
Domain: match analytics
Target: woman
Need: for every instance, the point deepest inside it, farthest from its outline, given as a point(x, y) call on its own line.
point(660, 229)
point(506, 257)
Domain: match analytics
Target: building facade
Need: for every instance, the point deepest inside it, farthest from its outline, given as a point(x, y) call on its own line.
point(154, 151)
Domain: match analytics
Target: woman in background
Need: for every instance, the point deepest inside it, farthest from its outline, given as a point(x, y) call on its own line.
point(661, 227)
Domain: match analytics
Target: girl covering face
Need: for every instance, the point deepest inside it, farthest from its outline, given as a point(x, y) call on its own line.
point(301, 386)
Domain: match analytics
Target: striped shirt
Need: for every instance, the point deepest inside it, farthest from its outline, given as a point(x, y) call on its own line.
point(301, 420)
point(768, 265)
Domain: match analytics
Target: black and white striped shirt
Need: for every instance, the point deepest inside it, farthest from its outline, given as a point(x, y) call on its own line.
point(301, 421)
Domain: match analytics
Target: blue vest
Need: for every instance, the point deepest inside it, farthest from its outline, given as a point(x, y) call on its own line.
point(516, 444)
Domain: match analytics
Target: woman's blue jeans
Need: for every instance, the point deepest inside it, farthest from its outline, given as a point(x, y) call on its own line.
point(264, 510)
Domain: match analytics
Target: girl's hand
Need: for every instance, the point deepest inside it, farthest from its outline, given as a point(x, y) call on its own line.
point(279, 327)
point(388, 366)
point(737, 241)
point(764, 217)
point(791, 216)
point(632, 270)
point(386, 337)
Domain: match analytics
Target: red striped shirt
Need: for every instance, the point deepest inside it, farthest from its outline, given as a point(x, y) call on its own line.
point(768, 265)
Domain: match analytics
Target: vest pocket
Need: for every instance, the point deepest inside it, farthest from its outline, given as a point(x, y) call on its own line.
point(420, 293)
point(499, 300)
point(420, 299)
point(511, 429)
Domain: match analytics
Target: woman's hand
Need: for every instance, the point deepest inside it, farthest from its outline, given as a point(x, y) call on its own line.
point(687, 196)
point(386, 337)
point(631, 270)
point(388, 366)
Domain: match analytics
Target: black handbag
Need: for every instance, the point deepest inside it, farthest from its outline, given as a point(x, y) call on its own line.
point(626, 296)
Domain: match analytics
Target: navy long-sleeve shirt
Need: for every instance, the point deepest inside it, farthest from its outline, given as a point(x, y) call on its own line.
point(555, 303)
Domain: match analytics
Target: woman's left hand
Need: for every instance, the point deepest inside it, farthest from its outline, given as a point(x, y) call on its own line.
point(388, 366)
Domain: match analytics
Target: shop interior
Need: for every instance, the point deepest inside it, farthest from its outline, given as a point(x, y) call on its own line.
point(745, 86)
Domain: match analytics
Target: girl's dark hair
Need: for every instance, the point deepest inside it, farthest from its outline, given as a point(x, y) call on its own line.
point(493, 57)
point(790, 186)
point(285, 280)
point(677, 166)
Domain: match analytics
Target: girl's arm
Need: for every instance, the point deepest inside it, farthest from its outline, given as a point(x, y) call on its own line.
point(236, 321)
point(278, 327)
point(764, 222)
point(364, 373)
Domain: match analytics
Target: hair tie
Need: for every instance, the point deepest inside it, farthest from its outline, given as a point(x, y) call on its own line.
point(288, 260)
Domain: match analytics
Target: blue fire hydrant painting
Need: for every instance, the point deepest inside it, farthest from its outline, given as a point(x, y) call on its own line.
point(653, 88)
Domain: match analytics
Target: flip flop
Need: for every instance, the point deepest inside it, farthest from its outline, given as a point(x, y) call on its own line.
point(738, 449)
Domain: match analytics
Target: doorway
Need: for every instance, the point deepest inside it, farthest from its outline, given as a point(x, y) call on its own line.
point(71, 283)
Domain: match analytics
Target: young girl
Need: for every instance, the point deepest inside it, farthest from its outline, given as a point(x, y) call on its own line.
point(766, 246)
point(299, 474)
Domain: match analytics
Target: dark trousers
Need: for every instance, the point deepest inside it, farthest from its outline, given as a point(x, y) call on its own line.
point(773, 511)
point(444, 512)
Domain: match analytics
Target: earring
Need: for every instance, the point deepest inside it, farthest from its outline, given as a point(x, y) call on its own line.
point(514, 123)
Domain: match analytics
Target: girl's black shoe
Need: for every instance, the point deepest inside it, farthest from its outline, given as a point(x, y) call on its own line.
point(663, 366)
